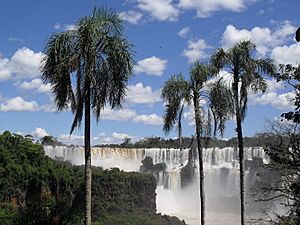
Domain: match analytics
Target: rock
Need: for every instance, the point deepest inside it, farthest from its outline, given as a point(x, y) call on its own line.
point(160, 167)
point(148, 163)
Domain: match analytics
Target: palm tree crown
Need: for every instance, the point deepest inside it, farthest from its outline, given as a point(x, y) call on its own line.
point(95, 58)
point(247, 72)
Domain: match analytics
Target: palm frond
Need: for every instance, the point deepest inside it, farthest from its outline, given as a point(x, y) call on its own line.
point(221, 104)
point(100, 58)
point(174, 93)
point(265, 66)
point(219, 60)
point(199, 73)
point(59, 61)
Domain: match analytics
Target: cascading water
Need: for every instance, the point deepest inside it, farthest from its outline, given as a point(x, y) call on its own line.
point(221, 177)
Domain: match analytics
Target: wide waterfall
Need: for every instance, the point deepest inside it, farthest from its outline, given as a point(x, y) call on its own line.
point(221, 177)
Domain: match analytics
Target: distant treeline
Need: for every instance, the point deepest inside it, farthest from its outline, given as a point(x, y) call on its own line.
point(159, 142)
point(187, 142)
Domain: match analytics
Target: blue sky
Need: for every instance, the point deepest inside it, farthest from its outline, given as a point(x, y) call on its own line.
point(167, 37)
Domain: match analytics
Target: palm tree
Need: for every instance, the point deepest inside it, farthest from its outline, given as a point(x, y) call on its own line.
point(247, 74)
point(178, 92)
point(88, 68)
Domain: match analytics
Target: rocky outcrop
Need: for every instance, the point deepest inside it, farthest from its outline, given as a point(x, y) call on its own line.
point(187, 172)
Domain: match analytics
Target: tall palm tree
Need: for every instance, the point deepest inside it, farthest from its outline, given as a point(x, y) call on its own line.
point(247, 74)
point(88, 69)
point(178, 92)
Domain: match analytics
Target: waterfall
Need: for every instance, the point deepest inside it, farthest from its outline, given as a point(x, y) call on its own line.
point(218, 162)
point(221, 170)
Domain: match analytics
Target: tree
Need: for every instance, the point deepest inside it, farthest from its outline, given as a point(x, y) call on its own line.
point(281, 179)
point(247, 74)
point(291, 76)
point(178, 92)
point(88, 69)
point(50, 140)
point(297, 35)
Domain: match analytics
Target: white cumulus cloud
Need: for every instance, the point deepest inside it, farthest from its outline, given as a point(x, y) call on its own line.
point(282, 101)
point(18, 104)
point(120, 136)
point(286, 54)
point(205, 8)
point(184, 32)
point(276, 96)
point(138, 94)
point(39, 133)
point(117, 115)
point(151, 119)
point(23, 64)
point(264, 38)
point(159, 9)
point(196, 50)
point(35, 84)
point(131, 16)
point(151, 66)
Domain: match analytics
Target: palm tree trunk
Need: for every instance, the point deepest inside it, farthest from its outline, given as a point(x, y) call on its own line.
point(240, 146)
point(200, 156)
point(88, 169)
point(241, 160)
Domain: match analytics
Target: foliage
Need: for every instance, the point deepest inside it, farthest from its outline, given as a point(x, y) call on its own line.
point(99, 58)
point(291, 76)
point(50, 140)
point(178, 93)
point(42, 188)
point(36, 190)
point(282, 182)
point(8, 214)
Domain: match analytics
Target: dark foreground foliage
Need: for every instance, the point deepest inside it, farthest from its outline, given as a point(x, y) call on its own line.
point(36, 190)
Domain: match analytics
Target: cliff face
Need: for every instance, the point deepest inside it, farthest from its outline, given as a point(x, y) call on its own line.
point(122, 192)
point(126, 198)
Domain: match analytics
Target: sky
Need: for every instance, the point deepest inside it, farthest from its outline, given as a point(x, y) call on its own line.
point(167, 37)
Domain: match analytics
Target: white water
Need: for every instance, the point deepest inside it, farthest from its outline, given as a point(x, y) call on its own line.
point(221, 192)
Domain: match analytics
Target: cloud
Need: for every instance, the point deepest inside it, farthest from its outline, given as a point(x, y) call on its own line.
point(102, 138)
point(71, 139)
point(117, 115)
point(264, 38)
point(261, 12)
point(196, 50)
point(151, 66)
point(274, 96)
point(286, 54)
point(23, 64)
point(184, 32)
point(281, 101)
point(131, 16)
point(205, 8)
point(18, 104)
point(39, 133)
point(65, 27)
point(159, 9)
point(35, 84)
point(138, 94)
point(13, 39)
point(151, 119)
point(120, 136)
